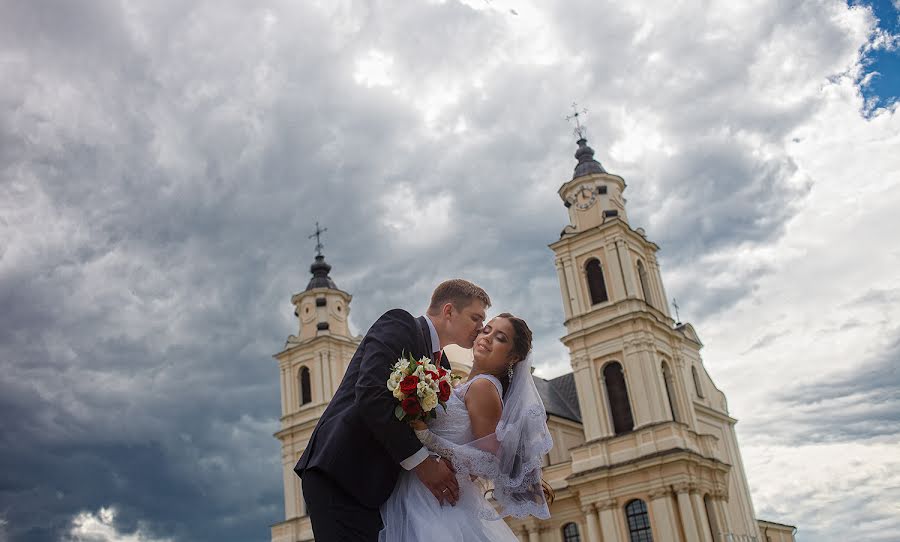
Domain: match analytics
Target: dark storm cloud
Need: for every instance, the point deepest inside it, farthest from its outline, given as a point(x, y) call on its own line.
point(164, 163)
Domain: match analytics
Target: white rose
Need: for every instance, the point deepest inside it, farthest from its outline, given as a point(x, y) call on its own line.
point(394, 381)
point(398, 394)
point(429, 400)
point(401, 365)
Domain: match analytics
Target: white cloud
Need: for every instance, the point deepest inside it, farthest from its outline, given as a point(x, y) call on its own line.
point(373, 69)
point(849, 491)
point(811, 304)
point(100, 527)
point(417, 220)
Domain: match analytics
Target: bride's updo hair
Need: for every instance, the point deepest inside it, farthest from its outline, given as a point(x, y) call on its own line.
point(522, 339)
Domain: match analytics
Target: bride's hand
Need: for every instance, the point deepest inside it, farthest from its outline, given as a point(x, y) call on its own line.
point(418, 425)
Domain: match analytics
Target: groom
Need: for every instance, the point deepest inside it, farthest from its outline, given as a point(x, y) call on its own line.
point(358, 448)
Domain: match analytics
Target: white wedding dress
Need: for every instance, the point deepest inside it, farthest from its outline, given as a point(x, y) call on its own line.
point(412, 513)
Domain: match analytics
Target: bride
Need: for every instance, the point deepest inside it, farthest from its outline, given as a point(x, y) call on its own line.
point(495, 434)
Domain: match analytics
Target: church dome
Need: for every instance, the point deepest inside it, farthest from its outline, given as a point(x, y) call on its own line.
point(320, 279)
point(586, 163)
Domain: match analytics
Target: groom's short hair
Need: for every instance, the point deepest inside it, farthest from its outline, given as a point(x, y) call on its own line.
point(458, 292)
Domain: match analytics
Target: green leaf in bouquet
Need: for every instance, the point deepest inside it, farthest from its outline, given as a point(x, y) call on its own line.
point(399, 412)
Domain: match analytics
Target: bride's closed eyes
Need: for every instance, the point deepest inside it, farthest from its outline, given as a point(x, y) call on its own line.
point(486, 330)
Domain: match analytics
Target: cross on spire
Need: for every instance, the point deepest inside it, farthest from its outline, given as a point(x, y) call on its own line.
point(318, 236)
point(580, 129)
point(675, 304)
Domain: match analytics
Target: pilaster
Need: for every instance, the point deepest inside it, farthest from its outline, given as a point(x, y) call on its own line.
point(587, 399)
point(664, 527)
point(719, 504)
point(613, 274)
point(608, 524)
point(593, 526)
point(627, 267)
point(684, 381)
point(641, 376)
point(655, 275)
point(686, 510)
point(564, 289)
point(700, 515)
point(580, 302)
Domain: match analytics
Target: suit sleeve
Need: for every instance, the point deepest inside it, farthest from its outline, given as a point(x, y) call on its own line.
point(393, 334)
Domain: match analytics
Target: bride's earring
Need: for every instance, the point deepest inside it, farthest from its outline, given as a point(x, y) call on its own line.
point(509, 371)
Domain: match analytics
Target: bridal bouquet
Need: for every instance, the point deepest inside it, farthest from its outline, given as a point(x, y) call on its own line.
point(420, 386)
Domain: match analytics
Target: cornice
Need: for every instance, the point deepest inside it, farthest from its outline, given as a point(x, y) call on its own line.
point(663, 456)
point(714, 413)
point(573, 236)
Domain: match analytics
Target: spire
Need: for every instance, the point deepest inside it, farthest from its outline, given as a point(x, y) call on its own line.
point(586, 163)
point(320, 268)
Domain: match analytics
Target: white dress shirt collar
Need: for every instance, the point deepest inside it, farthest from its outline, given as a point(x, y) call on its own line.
point(435, 340)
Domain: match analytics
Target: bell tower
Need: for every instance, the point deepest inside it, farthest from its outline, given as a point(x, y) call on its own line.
point(615, 307)
point(311, 365)
point(652, 435)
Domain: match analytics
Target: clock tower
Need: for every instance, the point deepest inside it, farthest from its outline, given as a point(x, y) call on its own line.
point(654, 443)
point(593, 194)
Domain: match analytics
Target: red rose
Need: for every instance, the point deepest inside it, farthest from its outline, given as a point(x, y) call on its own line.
point(411, 406)
point(443, 390)
point(434, 375)
point(408, 385)
point(441, 372)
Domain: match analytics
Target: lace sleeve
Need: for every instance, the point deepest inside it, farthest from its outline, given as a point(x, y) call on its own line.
point(473, 458)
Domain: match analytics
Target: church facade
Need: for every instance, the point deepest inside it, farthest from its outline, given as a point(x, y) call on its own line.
point(644, 446)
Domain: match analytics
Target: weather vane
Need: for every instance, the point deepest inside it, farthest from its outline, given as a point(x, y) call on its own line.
point(580, 129)
point(318, 236)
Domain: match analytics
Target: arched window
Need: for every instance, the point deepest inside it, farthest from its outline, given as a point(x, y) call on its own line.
point(645, 282)
point(638, 521)
point(570, 533)
point(619, 406)
point(305, 391)
point(596, 284)
point(697, 387)
point(670, 390)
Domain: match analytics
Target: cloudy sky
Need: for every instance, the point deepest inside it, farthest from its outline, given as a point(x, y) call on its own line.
point(162, 164)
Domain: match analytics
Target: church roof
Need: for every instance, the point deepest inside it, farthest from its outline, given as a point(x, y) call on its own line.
point(559, 396)
point(320, 278)
point(586, 163)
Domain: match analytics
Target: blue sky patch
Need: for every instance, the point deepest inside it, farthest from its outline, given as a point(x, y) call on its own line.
point(884, 88)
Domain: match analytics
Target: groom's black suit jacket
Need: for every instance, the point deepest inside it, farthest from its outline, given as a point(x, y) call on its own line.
point(358, 442)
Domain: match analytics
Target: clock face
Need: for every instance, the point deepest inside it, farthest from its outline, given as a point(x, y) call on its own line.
point(585, 197)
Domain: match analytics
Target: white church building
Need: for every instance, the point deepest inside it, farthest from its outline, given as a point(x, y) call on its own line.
point(644, 446)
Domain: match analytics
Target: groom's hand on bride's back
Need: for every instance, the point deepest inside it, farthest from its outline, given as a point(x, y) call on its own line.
point(439, 477)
